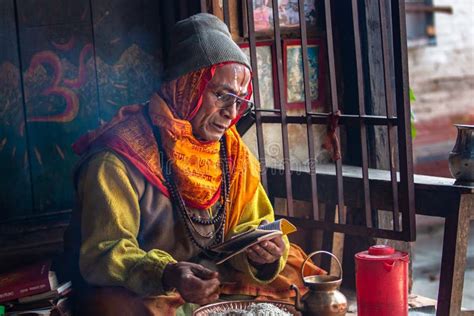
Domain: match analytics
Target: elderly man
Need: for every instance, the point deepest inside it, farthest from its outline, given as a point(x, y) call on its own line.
point(163, 182)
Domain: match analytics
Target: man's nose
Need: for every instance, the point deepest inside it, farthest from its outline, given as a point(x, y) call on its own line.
point(230, 112)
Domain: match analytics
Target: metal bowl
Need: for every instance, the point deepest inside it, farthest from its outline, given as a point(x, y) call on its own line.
point(225, 306)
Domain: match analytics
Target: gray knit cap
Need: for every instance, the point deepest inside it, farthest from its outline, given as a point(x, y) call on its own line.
point(200, 41)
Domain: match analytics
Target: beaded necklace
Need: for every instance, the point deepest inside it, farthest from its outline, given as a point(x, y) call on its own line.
point(188, 219)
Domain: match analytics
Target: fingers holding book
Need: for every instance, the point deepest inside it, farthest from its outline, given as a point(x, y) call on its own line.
point(267, 251)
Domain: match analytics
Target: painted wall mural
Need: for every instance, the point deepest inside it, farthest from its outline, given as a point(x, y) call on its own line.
point(58, 85)
point(67, 68)
point(14, 166)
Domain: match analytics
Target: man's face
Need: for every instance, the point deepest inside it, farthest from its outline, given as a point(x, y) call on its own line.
point(211, 121)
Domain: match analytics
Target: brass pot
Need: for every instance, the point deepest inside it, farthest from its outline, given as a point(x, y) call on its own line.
point(461, 158)
point(323, 298)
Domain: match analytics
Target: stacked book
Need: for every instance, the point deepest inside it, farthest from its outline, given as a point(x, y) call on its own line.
point(34, 290)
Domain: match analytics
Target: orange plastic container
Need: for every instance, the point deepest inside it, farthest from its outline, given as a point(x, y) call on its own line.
point(382, 282)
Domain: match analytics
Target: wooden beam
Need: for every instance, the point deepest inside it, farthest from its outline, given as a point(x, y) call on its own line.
point(453, 260)
point(435, 196)
point(426, 8)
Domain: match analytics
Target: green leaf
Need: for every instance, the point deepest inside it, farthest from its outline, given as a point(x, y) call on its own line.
point(412, 115)
point(412, 95)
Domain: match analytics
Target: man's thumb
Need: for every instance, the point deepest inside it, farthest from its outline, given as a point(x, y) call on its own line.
point(204, 273)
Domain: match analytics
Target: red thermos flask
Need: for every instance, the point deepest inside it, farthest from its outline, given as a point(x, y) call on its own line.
point(382, 282)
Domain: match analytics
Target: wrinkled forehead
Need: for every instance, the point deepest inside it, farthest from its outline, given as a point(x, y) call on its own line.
point(233, 77)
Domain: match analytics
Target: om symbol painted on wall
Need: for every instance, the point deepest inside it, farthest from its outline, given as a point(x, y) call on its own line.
point(60, 86)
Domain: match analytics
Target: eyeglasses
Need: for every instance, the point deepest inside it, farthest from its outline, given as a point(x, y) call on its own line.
point(226, 100)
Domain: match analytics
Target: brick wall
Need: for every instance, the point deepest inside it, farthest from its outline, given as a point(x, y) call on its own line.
point(442, 76)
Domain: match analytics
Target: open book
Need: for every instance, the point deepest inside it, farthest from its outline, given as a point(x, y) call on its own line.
point(240, 242)
point(60, 291)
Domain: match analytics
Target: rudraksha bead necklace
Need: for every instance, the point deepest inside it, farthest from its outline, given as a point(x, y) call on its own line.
point(189, 219)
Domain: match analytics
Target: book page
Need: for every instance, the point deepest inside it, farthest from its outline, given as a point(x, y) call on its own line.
point(239, 243)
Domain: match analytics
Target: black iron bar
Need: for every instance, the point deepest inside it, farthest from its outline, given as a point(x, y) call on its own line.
point(307, 98)
point(352, 230)
point(390, 111)
point(363, 128)
point(23, 111)
point(284, 125)
point(225, 9)
point(256, 95)
point(183, 9)
point(204, 6)
point(322, 119)
point(334, 104)
point(267, 110)
point(407, 187)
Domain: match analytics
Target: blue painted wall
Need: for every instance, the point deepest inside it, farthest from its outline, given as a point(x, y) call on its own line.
point(66, 66)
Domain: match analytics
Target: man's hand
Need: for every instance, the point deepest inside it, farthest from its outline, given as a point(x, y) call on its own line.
point(195, 283)
point(267, 251)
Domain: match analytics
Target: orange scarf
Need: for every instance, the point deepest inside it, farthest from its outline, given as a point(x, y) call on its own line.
point(196, 165)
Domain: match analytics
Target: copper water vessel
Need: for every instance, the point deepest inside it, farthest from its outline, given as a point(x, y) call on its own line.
point(323, 298)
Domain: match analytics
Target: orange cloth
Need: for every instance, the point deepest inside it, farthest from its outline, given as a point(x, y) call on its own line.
point(279, 289)
point(184, 94)
point(112, 301)
point(196, 164)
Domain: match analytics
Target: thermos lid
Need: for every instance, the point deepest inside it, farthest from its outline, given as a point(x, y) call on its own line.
point(382, 252)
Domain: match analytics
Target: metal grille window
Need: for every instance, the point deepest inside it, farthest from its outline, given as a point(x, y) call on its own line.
point(367, 100)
